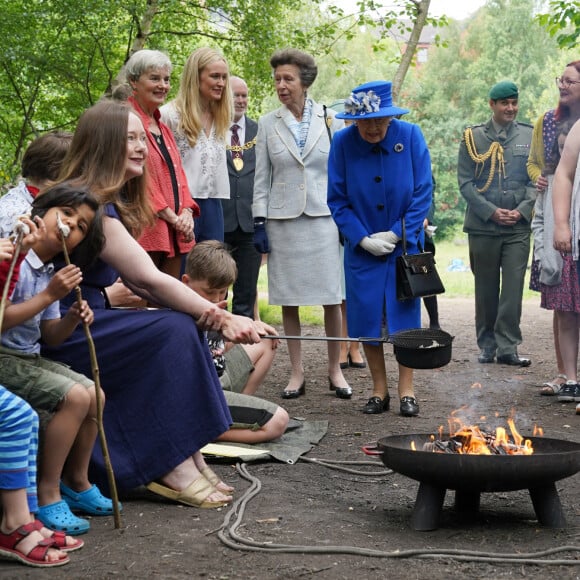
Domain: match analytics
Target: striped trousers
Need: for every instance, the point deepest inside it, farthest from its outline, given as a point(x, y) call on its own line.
point(18, 446)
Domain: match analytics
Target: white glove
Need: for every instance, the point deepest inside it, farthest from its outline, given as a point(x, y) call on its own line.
point(389, 236)
point(376, 247)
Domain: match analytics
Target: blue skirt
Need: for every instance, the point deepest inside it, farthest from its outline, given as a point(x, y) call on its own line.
point(164, 401)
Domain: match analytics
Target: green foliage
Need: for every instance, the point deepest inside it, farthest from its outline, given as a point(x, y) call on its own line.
point(563, 22)
point(502, 41)
point(61, 56)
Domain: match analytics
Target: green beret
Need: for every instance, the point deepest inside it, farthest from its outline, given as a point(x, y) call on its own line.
point(503, 90)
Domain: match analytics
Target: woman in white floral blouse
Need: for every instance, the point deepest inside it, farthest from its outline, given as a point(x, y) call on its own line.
point(200, 117)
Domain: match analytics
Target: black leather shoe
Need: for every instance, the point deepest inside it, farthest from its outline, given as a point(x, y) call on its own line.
point(294, 394)
point(409, 407)
point(341, 392)
point(356, 365)
point(344, 365)
point(513, 360)
point(486, 356)
point(376, 405)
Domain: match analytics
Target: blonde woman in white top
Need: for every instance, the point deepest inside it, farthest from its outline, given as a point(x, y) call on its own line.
point(200, 117)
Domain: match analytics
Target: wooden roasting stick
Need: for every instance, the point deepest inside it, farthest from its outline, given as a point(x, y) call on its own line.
point(64, 232)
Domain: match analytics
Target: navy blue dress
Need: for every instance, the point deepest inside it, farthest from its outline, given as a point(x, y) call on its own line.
point(163, 397)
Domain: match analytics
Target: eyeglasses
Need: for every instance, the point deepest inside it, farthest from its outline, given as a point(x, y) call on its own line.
point(566, 83)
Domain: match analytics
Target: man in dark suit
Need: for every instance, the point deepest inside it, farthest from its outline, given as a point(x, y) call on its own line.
point(238, 219)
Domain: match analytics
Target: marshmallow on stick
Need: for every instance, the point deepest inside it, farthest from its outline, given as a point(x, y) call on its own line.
point(62, 227)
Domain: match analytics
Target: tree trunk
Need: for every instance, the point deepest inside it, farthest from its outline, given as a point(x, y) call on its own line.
point(143, 25)
point(422, 10)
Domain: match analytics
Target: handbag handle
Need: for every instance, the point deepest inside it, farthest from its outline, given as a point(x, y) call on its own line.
point(403, 236)
point(327, 122)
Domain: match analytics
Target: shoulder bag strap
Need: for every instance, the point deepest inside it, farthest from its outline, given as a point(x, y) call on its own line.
point(403, 237)
point(327, 122)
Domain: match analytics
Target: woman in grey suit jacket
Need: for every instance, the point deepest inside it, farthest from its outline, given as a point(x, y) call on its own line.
point(292, 220)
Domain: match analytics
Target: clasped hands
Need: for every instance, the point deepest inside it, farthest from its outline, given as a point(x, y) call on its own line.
point(506, 217)
point(380, 243)
point(182, 223)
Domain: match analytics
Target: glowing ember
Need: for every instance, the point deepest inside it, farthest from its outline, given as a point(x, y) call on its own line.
point(472, 440)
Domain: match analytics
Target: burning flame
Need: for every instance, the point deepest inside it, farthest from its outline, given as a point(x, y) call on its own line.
point(472, 440)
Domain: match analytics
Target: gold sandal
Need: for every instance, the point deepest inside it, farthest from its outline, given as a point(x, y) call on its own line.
point(195, 494)
point(215, 480)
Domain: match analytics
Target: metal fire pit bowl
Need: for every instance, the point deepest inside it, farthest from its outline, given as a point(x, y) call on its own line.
point(471, 475)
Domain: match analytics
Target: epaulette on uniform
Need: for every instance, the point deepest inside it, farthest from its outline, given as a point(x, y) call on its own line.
point(471, 127)
point(525, 124)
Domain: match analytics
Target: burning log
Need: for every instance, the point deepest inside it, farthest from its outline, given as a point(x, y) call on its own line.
point(472, 440)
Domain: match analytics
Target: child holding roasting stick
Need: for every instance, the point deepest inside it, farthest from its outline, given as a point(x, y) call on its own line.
point(22, 537)
point(32, 314)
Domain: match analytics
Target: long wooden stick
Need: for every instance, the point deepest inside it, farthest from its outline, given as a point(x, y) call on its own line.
point(95, 371)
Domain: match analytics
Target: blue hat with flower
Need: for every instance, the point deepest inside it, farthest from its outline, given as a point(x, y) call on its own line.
point(370, 101)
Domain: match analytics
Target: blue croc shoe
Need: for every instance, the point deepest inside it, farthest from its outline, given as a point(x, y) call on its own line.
point(57, 516)
point(91, 501)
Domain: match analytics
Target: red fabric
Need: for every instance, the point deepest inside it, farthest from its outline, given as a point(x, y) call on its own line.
point(4, 268)
point(32, 190)
point(159, 238)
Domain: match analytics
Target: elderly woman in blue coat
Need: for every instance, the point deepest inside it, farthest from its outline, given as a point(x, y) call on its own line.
point(379, 172)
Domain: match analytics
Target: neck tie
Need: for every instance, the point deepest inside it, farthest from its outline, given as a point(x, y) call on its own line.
point(236, 155)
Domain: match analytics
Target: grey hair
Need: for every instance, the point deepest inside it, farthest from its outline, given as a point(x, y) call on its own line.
point(146, 60)
point(305, 63)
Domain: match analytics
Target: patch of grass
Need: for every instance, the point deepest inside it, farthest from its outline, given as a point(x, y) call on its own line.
point(450, 255)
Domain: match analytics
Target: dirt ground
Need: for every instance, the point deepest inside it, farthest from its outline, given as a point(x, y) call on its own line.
point(308, 505)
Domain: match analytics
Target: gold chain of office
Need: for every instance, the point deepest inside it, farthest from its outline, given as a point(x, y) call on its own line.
point(494, 153)
point(244, 147)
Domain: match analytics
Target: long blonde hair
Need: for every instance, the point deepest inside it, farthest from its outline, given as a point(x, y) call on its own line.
point(188, 103)
point(97, 158)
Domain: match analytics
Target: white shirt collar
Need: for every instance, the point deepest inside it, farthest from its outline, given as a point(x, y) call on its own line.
point(37, 264)
point(241, 123)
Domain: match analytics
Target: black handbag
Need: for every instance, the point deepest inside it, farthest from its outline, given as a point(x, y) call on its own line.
point(417, 276)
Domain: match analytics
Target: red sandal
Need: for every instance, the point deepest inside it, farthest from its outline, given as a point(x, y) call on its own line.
point(37, 556)
point(59, 539)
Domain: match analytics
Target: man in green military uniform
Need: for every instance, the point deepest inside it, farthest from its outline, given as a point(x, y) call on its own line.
point(493, 179)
